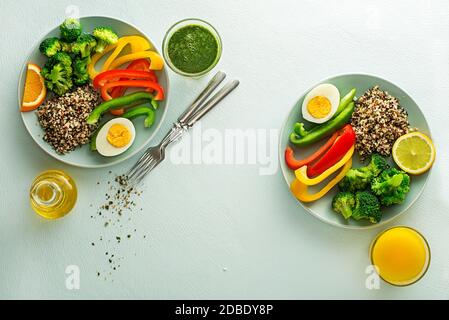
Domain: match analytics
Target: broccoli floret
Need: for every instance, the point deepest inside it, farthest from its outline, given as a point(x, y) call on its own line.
point(377, 164)
point(61, 57)
point(391, 186)
point(84, 45)
point(57, 73)
point(70, 29)
point(105, 36)
point(66, 47)
point(57, 79)
point(355, 180)
point(344, 203)
point(50, 46)
point(360, 178)
point(80, 74)
point(367, 206)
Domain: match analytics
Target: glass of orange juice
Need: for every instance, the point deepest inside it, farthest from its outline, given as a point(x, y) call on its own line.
point(401, 255)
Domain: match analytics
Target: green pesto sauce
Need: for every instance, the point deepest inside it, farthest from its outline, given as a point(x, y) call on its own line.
point(192, 49)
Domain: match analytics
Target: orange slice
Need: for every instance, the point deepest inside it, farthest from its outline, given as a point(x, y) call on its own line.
point(35, 91)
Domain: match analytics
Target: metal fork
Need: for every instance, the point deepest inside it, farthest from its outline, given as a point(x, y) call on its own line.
point(153, 156)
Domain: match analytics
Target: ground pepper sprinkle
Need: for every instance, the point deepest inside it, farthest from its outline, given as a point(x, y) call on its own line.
point(64, 119)
point(120, 204)
point(378, 121)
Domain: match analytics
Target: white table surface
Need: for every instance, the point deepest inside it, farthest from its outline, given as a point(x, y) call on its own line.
point(224, 231)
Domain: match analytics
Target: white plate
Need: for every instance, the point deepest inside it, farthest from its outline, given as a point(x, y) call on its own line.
point(322, 208)
point(83, 157)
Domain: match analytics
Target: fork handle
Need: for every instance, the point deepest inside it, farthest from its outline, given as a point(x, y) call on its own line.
point(212, 85)
point(220, 95)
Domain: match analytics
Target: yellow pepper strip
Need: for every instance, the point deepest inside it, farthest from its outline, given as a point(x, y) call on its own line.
point(113, 56)
point(137, 43)
point(301, 173)
point(157, 63)
point(91, 68)
point(300, 190)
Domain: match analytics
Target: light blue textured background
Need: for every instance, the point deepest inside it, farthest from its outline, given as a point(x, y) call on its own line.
point(224, 231)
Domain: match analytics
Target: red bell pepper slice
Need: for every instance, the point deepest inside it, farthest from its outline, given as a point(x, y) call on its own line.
point(114, 75)
point(133, 83)
point(139, 64)
point(344, 142)
point(295, 164)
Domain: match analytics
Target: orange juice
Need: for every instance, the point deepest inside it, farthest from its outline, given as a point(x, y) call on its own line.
point(401, 254)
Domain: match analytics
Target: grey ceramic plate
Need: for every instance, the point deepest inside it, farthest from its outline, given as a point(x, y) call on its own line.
point(83, 157)
point(322, 208)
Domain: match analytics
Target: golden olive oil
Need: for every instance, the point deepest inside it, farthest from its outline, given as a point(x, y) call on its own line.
point(53, 194)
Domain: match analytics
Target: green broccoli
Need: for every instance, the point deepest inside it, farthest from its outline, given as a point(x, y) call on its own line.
point(367, 206)
point(391, 186)
point(344, 203)
point(61, 57)
point(377, 164)
point(70, 30)
point(360, 178)
point(50, 46)
point(105, 36)
point(57, 73)
point(84, 45)
point(354, 180)
point(66, 47)
point(80, 74)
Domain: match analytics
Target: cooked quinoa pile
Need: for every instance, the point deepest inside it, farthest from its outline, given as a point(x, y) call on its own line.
point(64, 118)
point(378, 121)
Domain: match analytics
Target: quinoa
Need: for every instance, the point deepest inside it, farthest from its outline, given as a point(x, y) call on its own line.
point(64, 119)
point(378, 121)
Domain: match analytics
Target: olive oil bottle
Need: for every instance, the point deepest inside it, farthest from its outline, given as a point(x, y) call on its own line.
point(53, 194)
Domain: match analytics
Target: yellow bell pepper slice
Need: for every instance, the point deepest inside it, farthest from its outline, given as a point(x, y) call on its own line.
point(91, 68)
point(137, 44)
point(301, 173)
point(157, 63)
point(301, 192)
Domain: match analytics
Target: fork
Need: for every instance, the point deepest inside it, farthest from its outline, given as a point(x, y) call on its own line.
point(153, 156)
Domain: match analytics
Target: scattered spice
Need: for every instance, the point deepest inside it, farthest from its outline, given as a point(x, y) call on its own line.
point(120, 203)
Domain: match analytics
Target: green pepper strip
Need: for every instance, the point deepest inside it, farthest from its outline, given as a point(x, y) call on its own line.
point(345, 101)
point(325, 129)
point(118, 103)
point(299, 128)
point(141, 111)
point(93, 138)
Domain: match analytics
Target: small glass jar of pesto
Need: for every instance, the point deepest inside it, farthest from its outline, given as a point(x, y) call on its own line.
point(192, 47)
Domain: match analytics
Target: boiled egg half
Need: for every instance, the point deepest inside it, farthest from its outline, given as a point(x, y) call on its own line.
point(321, 103)
point(115, 137)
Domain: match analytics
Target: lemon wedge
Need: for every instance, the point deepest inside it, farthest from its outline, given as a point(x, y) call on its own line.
point(414, 153)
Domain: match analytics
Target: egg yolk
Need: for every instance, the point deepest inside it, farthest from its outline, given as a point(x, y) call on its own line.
point(118, 135)
point(319, 107)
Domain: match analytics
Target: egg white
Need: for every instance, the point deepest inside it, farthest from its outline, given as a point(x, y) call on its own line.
point(104, 147)
point(326, 90)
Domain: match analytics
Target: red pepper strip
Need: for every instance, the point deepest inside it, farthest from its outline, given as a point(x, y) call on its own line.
point(295, 164)
point(341, 146)
point(139, 64)
point(133, 83)
point(114, 75)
